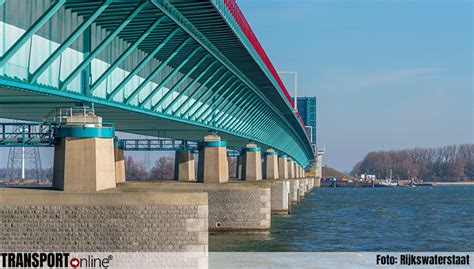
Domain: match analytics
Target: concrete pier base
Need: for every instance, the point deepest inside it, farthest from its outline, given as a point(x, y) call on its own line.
point(107, 221)
point(283, 167)
point(302, 188)
point(84, 156)
point(212, 163)
point(294, 191)
point(84, 164)
point(252, 166)
point(271, 165)
point(317, 182)
point(280, 190)
point(310, 184)
point(119, 165)
point(291, 169)
point(184, 166)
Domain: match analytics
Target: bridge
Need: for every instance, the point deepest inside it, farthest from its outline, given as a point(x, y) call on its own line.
point(179, 68)
point(190, 75)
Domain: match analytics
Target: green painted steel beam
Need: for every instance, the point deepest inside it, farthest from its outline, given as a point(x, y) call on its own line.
point(237, 107)
point(169, 77)
point(217, 104)
point(234, 94)
point(140, 66)
point(203, 94)
point(178, 110)
point(244, 116)
point(191, 116)
point(68, 41)
point(190, 85)
point(233, 103)
point(31, 31)
point(154, 73)
point(94, 53)
point(217, 100)
point(249, 99)
point(126, 53)
point(248, 114)
point(183, 78)
point(230, 120)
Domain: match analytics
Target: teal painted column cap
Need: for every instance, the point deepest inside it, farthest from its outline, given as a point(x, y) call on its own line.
point(271, 153)
point(119, 144)
point(282, 155)
point(213, 144)
point(257, 149)
point(85, 132)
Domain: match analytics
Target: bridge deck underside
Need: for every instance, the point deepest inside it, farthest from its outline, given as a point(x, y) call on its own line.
point(31, 106)
point(145, 67)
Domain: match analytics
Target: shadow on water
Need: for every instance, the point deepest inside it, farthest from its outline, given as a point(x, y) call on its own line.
point(368, 219)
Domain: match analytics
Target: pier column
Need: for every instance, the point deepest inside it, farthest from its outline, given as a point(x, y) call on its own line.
point(283, 166)
point(119, 163)
point(184, 166)
point(84, 157)
point(291, 169)
point(239, 167)
point(252, 163)
point(212, 163)
point(297, 170)
point(271, 164)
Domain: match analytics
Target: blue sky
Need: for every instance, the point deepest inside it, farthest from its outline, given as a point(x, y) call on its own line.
point(387, 74)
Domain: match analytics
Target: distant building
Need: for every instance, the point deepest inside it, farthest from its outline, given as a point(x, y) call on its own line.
point(307, 109)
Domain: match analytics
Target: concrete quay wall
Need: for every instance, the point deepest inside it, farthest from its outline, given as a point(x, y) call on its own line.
point(40, 220)
point(234, 207)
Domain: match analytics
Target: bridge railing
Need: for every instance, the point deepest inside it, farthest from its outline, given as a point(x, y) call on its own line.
point(26, 134)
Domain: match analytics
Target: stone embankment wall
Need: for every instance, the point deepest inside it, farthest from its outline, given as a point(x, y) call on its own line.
point(89, 222)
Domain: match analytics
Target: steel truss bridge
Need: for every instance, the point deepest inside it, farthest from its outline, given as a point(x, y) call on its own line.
point(175, 67)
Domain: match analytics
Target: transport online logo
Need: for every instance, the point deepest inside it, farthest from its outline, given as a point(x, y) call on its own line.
point(52, 259)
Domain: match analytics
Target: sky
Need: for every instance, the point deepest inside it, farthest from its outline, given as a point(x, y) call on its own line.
point(387, 74)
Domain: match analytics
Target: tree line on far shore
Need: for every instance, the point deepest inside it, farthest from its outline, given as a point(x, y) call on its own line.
point(163, 168)
point(448, 163)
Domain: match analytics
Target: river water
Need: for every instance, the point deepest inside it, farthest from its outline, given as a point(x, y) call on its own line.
point(368, 219)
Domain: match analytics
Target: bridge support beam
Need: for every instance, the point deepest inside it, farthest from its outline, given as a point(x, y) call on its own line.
point(212, 163)
point(283, 166)
point(184, 166)
point(271, 164)
point(119, 165)
point(84, 158)
point(252, 163)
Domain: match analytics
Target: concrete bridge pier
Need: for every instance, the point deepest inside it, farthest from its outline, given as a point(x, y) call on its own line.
point(283, 166)
point(212, 164)
point(239, 167)
point(252, 163)
point(119, 164)
point(291, 169)
point(271, 164)
point(184, 166)
point(84, 157)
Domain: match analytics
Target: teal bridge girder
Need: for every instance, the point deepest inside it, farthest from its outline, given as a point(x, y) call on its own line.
point(171, 67)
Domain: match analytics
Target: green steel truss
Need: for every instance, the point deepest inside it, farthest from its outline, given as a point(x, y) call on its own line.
point(151, 57)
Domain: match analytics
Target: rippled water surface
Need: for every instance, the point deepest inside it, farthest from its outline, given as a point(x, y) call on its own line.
point(368, 219)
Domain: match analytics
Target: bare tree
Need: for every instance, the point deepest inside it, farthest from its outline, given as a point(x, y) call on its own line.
point(163, 168)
